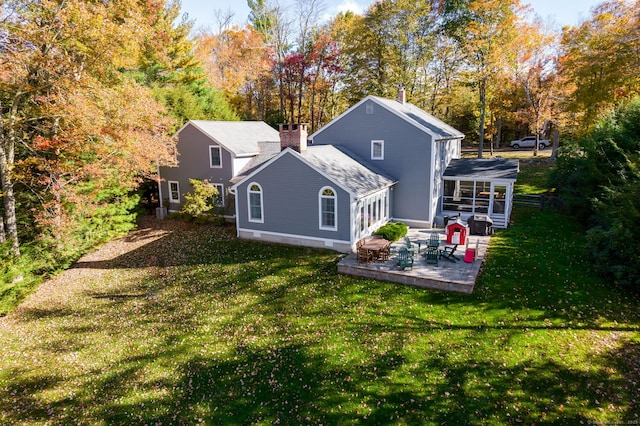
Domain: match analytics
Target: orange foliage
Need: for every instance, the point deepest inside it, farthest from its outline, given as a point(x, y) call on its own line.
point(234, 58)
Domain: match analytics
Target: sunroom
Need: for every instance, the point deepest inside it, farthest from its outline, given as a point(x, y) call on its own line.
point(479, 186)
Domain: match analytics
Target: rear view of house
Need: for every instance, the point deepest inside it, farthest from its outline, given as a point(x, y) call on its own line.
point(381, 160)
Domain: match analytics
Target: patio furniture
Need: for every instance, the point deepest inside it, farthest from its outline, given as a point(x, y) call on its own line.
point(434, 240)
point(405, 259)
point(410, 247)
point(431, 255)
point(448, 251)
point(378, 248)
point(364, 255)
point(384, 253)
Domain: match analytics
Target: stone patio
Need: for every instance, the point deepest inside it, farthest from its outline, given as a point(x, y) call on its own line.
point(458, 276)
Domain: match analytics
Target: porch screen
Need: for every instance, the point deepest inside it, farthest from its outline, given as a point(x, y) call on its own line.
point(466, 196)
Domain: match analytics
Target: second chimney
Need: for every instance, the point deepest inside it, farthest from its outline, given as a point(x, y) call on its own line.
point(402, 96)
point(293, 136)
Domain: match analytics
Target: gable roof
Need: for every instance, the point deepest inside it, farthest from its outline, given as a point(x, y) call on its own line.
point(346, 169)
point(238, 137)
point(483, 169)
point(411, 114)
point(336, 164)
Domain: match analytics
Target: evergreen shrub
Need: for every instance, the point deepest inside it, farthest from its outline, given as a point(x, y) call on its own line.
point(392, 231)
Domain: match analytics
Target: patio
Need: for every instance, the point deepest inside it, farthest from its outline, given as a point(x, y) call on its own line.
point(456, 276)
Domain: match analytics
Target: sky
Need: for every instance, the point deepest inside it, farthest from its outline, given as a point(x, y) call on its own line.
point(559, 12)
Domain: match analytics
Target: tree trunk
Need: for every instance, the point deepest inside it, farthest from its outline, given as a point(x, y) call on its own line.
point(535, 146)
point(9, 198)
point(556, 143)
point(3, 238)
point(483, 111)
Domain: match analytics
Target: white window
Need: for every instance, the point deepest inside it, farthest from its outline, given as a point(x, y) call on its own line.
point(174, 191)
point(377, 150)
point(218, 200)
point(328, 209)
point(254, 198)
point(215, 156)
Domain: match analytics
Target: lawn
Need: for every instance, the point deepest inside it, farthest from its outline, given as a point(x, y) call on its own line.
point(189, 325)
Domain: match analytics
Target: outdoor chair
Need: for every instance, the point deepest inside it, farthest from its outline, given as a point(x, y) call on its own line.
point(434, 240)
point(405, 259)
point(447, 253)
point(384, 253)
point(412, 249)
point(431, 254)
point(364, 255)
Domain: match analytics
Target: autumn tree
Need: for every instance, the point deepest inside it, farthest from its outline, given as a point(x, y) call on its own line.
point(271, 21)
point(600, 62)
point(391, 45)
point(73, 125)
point(237, 61)
point(324, 76)
point(535, 72)
point(484, 29)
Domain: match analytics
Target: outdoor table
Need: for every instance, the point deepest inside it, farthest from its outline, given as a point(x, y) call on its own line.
point(375, 245)
point(420, 242)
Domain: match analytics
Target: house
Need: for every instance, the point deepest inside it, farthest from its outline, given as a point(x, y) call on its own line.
point(407, 143)
point(318, 196)
point(381, 160)
point(215, 151)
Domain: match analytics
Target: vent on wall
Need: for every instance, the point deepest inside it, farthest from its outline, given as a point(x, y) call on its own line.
point(369, 107)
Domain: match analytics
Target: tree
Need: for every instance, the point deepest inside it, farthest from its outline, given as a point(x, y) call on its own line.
point(484, 29)
point(390, 46)
point(237, 62)
point(269, 19)
point(600, 62)
point(535, 72)
point(71, 122)
point(201, 199)
point(600, 181)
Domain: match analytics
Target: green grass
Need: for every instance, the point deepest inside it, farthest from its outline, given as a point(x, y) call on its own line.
point(199, 327)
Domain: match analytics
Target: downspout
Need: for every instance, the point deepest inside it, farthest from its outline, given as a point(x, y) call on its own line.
point(234, 190)
point(159, 183)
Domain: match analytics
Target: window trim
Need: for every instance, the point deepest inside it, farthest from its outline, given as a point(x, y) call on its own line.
point(171, 199)
point(219, 148)
point(321, 198)
point(375, 142)
point(249, 210)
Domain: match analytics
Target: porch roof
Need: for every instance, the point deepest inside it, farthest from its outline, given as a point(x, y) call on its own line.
point(483, 169)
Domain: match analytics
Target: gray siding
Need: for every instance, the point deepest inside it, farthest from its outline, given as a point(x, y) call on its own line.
point(407, 155)
point(193, 163)
point(290, 193)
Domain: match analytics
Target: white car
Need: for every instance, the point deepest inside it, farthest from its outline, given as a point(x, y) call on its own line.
point(529, 142)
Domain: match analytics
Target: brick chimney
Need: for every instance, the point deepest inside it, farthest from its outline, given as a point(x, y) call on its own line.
point(402, 96)
point(293, 136)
